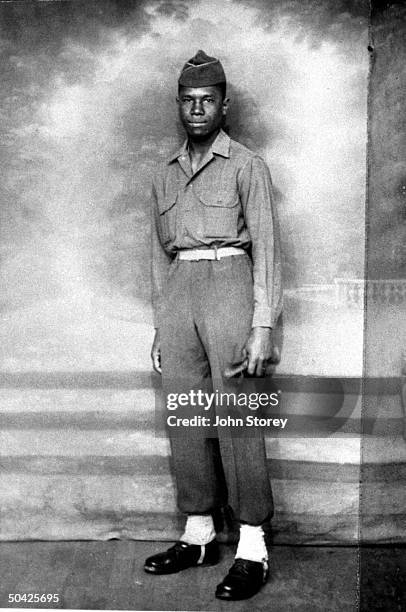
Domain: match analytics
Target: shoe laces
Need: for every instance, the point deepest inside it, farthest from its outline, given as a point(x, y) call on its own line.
point(178, 547)
point(239, 567)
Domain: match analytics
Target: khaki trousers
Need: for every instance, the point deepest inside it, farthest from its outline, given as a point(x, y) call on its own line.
point(206, 322)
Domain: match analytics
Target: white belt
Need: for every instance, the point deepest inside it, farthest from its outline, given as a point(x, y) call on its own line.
point(196, 254)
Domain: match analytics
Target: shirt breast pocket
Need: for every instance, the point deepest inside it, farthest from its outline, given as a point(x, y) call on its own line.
point(220, 214)
point(167, 217)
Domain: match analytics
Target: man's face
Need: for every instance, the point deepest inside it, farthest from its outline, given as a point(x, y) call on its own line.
point(201, 110)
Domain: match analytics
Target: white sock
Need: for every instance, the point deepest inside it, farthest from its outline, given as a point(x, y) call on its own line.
point(251, 545)
point(199, 529)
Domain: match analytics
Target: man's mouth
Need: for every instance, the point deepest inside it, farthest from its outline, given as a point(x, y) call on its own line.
point(197, 122)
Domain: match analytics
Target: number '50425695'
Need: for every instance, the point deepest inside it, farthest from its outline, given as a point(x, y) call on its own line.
point(33, 597)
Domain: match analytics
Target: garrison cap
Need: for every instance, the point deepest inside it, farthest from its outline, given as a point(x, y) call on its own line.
point(201, 71)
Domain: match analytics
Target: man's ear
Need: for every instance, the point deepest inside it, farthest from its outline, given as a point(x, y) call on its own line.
point(225, 105)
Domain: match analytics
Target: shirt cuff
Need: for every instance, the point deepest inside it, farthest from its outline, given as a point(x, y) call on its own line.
point(262, 318)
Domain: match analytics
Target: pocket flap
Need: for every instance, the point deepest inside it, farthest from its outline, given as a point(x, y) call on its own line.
point(221, 200)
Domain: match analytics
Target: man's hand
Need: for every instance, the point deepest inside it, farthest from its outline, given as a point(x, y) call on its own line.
point(156, 353)
point(258, 350)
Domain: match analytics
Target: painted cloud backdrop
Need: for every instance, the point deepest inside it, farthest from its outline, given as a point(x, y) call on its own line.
point(88, 108)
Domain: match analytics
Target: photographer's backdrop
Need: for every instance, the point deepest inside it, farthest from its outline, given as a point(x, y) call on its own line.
point(88, 108)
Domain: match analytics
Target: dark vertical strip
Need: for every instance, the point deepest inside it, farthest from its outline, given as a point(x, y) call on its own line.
point(364, 390)
point(382, 515)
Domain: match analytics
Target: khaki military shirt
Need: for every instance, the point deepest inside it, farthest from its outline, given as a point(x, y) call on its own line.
point(228, 201)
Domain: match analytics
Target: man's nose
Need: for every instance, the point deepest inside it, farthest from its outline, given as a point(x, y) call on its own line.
point(197, 108)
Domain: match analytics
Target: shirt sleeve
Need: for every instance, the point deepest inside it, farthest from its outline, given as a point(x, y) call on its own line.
point(261, 219)
point(160, 261)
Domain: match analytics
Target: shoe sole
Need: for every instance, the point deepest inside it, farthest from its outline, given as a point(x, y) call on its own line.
point(153, 570)
point(228, 597)
point(225, 597)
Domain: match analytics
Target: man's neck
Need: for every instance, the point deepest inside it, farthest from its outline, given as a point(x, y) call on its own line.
point(199, 148)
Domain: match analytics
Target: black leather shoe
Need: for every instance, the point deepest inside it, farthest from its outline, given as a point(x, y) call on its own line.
point(244, 580)
point(181, 556)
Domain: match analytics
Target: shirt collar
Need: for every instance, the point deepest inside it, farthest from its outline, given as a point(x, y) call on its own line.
point(178, 153)
point(221, 146)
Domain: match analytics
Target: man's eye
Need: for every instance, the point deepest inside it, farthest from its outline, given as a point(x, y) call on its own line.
point(211, 100)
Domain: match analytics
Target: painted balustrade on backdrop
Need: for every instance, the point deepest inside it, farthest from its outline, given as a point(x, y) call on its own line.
point(351, 292)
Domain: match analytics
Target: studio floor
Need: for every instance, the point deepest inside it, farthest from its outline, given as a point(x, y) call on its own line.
point(109, 575)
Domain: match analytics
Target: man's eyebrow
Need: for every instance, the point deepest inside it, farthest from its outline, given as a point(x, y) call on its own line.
point(196, 96)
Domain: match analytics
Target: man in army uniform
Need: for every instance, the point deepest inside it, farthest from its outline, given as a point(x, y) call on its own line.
point(216, 297)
